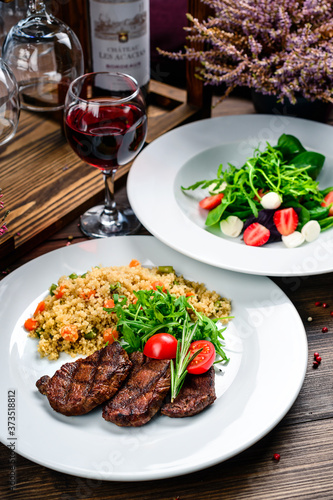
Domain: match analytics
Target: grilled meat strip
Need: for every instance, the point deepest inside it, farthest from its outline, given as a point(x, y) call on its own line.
point(197, 393)
point(78, 387)
point(142, 394)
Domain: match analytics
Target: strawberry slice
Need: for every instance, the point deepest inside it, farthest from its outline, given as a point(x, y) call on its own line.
point(211, 202)
point(256, 235)
point(286, 221)
point(327, 201)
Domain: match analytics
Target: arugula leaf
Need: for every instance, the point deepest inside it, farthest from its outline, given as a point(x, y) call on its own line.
point(131, 341)
point(220, 170)
point(202, 184)
point(252, 206)
point(156, 311)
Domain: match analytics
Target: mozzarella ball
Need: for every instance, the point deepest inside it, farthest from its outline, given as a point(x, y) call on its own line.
point(271, 200)
point(293, 240)
point(231, 226)
point(311, 230)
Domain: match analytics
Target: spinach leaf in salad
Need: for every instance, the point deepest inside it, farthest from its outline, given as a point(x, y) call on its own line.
point(289, 146)
point(295, 153)
point(311, 161)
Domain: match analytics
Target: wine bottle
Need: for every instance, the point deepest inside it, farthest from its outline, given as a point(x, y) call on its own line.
point(119, 38)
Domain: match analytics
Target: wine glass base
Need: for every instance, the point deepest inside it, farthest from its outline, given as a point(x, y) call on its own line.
point(91, 225)
point(42, 95)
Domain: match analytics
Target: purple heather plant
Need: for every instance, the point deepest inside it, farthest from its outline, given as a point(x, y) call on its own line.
point(278, 47)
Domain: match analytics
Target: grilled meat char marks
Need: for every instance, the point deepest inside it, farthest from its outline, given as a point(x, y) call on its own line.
point(78, 387)
point(197, 393)
point(143, 393)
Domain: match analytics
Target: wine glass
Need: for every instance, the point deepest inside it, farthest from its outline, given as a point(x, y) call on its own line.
point(9, 104)
point(45, 55)
point(106, 125)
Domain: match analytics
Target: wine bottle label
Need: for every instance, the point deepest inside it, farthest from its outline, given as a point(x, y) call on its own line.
point(120, 37)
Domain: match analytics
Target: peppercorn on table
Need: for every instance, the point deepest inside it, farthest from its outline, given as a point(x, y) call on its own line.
point(292, 461)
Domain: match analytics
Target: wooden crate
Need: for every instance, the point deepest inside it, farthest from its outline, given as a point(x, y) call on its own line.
point(45, 185)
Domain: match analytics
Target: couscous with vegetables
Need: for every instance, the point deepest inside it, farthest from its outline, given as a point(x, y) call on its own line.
point(73, 317)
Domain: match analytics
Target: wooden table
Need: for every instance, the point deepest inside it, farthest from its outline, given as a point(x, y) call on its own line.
point(304, 438)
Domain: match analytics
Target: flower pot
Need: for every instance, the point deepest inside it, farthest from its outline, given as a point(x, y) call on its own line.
point(312, 110)
point(7, 245)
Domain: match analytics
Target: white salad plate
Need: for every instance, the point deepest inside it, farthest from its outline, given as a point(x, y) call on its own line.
point(254, 390)
point(194, 152)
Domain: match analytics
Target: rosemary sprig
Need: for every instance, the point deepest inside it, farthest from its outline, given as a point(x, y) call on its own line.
point(156, 311)
point(179, 366)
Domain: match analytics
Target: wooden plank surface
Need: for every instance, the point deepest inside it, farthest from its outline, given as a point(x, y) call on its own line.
point(46, 185)
point(42, 180)
point(303, 472)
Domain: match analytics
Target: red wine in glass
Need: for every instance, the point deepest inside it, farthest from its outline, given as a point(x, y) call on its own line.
point(106, 125)
point(110, 139)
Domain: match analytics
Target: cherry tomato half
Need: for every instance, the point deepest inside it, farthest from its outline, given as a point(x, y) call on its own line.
point(161, 346)
point(327, 201)
point(204, 360)
point(211, 202)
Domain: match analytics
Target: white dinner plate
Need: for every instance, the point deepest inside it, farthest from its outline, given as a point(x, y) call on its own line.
point(254, 391)
point(192, 153)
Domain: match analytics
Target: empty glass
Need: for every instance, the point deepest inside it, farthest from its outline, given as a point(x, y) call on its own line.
point(9, 104)
point(10, 14)
point(45, 55)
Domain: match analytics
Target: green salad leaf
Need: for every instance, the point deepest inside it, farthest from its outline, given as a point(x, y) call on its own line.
point(311, 161)
point(289, 146)
point(157, 311)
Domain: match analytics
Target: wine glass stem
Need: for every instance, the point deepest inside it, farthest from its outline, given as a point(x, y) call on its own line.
point(109, 203)
point(36, 7)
